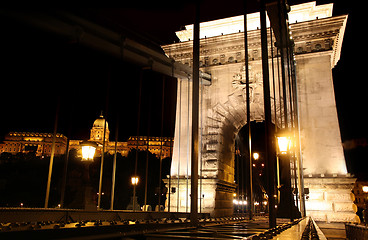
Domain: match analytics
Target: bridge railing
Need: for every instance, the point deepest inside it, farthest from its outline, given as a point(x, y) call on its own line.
point(355, 231)
point(57, 215)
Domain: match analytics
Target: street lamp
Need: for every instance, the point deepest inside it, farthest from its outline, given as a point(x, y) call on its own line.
point(88, 150)
point(283, 147)
point(134, 180)
point(256, 156)
point(284, 143)
point(286, 207)
point(88, 153)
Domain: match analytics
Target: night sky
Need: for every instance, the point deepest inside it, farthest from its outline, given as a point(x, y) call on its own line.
point(40, 71)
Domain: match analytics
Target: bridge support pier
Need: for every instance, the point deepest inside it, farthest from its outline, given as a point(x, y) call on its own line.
point(330, 198)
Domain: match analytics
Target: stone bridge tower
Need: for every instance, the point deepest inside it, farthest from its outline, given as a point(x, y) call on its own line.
point(318, 39)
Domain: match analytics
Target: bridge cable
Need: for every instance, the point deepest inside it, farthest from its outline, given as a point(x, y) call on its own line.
point(147, 151)
point(288, 47)
point(188, 148)
point(279, 87)
point(138, 124)
point(237, 170)
point(242, 167)
point(114, 162)
point(122, 45)
point(52, 151)
point(161, 140)
point(66, 158)
point(273, 80)
point(179, 141)
point(69, 134)
point(292, 117)
point(267, 113)
point(179, 157)
point(281, 113)
point(170, 143)
point(104, 138)
point(275, 109)
point(201, 195)
point(250, 190)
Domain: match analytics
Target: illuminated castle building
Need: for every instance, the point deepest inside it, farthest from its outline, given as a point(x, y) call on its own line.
point(41, 143)
point(156, 145)
point(153, 144)
point(97, 135)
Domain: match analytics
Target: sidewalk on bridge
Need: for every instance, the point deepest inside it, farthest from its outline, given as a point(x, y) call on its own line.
point(295, 232)
point(333, 231)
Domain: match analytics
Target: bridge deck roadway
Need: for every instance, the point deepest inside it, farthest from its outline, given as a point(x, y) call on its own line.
point(161, 228)
point(243, 229)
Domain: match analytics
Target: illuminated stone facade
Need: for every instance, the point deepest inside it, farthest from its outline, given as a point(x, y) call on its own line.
point(330, 198)
point(98, 130)
point(156, 145)
point(318, 39)
point(39, 143)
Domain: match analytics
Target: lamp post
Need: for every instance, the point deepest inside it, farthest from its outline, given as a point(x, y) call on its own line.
point(286, 207)
point(88, 153)
point(134, 181)
point(252, 207)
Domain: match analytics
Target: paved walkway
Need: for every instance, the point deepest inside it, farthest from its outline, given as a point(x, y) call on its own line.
point(333, 231)
point(295, 232)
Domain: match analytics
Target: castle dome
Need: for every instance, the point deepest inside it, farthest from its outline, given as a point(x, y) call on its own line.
point(99, 122)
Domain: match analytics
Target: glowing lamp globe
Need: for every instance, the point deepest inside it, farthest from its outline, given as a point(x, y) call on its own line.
point(284, 143)
point(88, 150)
point(135, 180)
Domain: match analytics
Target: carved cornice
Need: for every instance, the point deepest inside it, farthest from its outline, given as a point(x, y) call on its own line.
point(320, 35)
point(311, 36)
point(315, 36)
